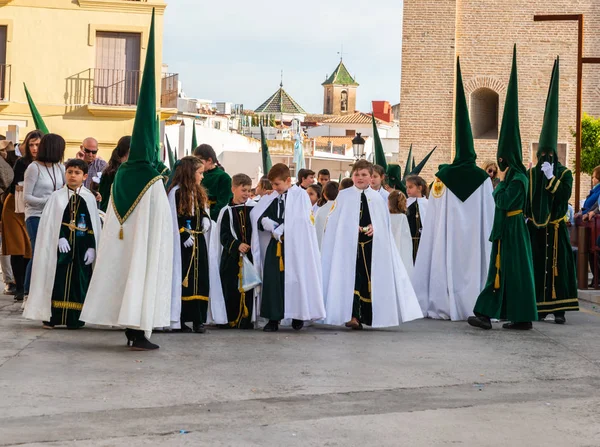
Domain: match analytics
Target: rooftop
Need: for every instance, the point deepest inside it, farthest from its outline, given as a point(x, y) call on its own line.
point(354, 118)
point(280, 102)
point(340, 76)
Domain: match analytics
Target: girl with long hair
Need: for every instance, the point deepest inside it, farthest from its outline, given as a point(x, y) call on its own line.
point(189, 203)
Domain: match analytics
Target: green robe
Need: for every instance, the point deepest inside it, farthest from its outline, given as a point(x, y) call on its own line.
point(273, 289)
point(72, 275)
point(194, 267)
point(362, 308)
point(104, 188)
point(239, 305)
point(509, 293)
point(553, 261)
point(218, 186)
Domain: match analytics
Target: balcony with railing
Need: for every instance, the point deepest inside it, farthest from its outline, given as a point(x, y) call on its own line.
point(5, 81)
point(103, 87)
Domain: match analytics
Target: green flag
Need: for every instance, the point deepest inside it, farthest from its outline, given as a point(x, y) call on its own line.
point(194, 140)
point(266, 156)
point(409, 163)
point(463, 177)
point(38, 121)
point(379, 158)
point(138, 174)
point(417, 169)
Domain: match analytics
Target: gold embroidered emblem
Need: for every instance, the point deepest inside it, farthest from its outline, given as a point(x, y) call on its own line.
point(438, 188)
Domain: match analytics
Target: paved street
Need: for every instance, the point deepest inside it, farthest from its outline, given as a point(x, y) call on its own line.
point(429, 383)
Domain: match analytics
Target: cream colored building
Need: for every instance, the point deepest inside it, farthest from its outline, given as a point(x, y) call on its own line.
point(482, 33)
point(82, 63)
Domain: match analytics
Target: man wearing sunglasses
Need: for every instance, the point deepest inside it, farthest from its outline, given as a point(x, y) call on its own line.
point(89, 147)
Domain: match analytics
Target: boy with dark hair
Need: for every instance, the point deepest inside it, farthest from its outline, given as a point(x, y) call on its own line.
point(66, 241)
point(230, 242)
point(306, 177)
point(323, 177)
point(291, 268)
point(361, 288)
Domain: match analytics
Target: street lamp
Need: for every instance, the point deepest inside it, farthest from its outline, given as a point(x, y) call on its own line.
point(358, 146)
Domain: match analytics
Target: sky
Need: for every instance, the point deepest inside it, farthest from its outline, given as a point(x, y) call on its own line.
point(234, 50)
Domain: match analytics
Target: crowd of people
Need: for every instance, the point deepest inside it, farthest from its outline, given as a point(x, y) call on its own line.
point(134, 245)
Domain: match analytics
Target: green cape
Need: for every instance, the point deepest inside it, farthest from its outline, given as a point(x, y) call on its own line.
point(266, 156)
point(137, 174)
point(463, 177)
point(379, 158)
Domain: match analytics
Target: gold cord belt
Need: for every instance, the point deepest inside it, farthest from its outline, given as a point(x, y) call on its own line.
point(556, 224)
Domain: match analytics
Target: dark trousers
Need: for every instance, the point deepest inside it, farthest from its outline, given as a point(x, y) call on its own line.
point(19, 267)
point(32, 225)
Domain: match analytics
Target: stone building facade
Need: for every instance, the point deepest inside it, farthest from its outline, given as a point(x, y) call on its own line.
point(482, 33)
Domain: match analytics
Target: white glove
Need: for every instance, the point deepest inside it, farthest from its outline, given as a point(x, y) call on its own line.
point(269, 224)
point(548, 170)
point(278, 232)
point(189, 243)
point(206, 224)
point(90, 256)
point(63, 245)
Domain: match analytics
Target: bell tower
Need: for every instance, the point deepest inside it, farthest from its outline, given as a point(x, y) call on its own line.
point(339, 92)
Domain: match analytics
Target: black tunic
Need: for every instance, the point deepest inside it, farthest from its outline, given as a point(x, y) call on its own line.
point(239, 304)
point(413, 214)
point(194, 267)
point(362, 307)
point(273, 289)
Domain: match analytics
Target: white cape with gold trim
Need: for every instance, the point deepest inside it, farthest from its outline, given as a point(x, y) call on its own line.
point(131, 284)
point(454, 253)
point(393, 297)
point(38, 304)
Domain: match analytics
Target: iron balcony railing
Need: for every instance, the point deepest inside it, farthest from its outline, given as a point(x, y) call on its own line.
point(113, 87)
point(5, 81)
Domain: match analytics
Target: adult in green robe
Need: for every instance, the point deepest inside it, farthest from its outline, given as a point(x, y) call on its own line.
point(194, 265)
point(239, 304)
point(550, 185)
point(509, 293)
point(72, 274)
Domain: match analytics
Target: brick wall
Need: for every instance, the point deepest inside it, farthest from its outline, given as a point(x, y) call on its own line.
point(482, 33)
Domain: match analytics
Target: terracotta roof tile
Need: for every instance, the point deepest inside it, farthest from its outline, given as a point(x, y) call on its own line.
point(354, 118)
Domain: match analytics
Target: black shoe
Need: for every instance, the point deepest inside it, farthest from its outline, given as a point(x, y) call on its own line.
point(47, 325)
point(480, 322)
point(542, 317)
point(199, 328)
point(297, 324)
point(523, 326)
point(560, 319)
point(10, 289)
point(272, 326)
point(185, 329)
point(19, 297)
point(140, 342)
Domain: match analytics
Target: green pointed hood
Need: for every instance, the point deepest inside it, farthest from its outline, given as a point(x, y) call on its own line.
point(418, 168)
point(463, 177)
point(409, 162)
point(379, 158)
point(194, 140)
point(137, 174)
point(38, 121)
point(393, 177)
point(266, 156)
point(170, 153)
point(540, 202)
point(509, 142)
point(549, 135)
